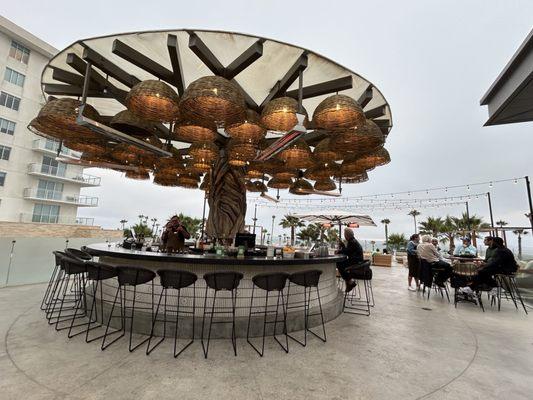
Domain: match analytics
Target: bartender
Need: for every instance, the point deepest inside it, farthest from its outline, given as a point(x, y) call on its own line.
point(174, 235)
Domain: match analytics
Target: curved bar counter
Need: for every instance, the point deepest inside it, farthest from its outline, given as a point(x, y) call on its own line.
point(331, 298)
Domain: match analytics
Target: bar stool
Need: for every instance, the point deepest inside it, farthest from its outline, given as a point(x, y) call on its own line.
point(270, 282)
point(76, 253)
point(308, 279)
point(177, 280)
point(507, 286)
point(360, 272)
point(72, 279)
point(129, 276)
point(96, 272)
point(219, 281)
point(52, 283)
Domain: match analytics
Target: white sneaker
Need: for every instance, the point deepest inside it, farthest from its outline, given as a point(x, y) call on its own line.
point(467, 290)
point(412, 289)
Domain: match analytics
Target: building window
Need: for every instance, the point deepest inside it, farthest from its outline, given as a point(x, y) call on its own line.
point(9, 101)
point(45, 213)
point(14, 77)
point(19, 52)
point(7, 126)
point(2, 178)
point(5, 152)
point(49, 190)
point(51, 167)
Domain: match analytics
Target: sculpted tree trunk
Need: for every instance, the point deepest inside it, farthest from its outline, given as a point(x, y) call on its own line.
point(227, 200)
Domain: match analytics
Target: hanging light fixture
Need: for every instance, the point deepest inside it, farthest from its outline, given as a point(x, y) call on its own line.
point(214, 99)
point(323, 152)
point(195, 131)
point(301, 186)
point(297, 155)
point(240, 153)
point(280, 114)
point(166, 179)
point(247, 130)
point(141, 174)
point(358, 141)
point(204, 151)
point(153, 101)
point(338, 112)
point(325, 185)
point(188, 180)
point(279, 183)
point(131, 124)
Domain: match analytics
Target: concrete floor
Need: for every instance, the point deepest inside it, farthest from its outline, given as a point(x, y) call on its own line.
point(409, 348)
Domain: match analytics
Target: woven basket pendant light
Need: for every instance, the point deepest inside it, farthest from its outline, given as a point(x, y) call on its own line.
point(195, 131)
point(280, 114)
point(95, 147)
point(355, 178)
point(352, 166)
point(247, 130)
point(297, 155)
point(153, 101)
point(57, 120)
point(204, 150)
point(358, 141)
point(166, 179)
point(324, 153)
point(325, 185)
point(278, 183)
point(255, 170)
point(189, 181)
point(240, 153)
point(214, 99)
point(256, 186)
point(338, 112)
point(321, 171)
point(301, 187)
point(140, 175)
point(127, 122)
point(375, 159)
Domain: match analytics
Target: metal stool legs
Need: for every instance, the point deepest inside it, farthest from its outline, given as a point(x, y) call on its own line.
point(265, 313)
point(307, 314)
point(362, 306)
point(212, 313)
point(162, 295)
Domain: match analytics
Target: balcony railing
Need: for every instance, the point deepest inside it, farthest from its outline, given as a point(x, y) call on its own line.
point(55, 219)
point(60, 172)
point(59, 197)
point(51, 146)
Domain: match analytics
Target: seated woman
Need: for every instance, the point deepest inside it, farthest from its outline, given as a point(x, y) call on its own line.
point(354, 252)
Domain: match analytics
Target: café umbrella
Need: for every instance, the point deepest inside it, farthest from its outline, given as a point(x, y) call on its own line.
point(338, 217)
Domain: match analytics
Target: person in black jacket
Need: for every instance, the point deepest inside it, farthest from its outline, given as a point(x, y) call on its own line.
point(354, 253)
point(502, 261)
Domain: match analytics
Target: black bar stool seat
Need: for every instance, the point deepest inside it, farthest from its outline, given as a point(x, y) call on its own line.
point(270, 282)
point(129, 276)
point(172, 279)
point(219, 281)
point(76, 253)
point(307, 279)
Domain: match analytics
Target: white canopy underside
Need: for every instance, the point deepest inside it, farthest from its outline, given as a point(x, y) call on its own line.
point(336, 217)
point(257, 79)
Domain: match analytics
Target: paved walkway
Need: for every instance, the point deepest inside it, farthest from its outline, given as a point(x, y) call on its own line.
point(409, 348)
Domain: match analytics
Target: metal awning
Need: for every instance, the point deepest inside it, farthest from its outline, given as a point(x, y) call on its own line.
point(510, 98)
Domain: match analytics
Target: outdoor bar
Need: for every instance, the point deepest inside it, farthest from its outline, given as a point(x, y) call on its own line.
point(226, 113)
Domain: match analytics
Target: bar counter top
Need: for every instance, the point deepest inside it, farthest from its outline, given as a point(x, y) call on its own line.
point(103, 249)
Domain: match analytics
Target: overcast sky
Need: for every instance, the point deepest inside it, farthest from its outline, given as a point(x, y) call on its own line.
point(433, 61)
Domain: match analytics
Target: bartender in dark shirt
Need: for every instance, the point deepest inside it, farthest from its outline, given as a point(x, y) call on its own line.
point(174, 235)
point(354, 253)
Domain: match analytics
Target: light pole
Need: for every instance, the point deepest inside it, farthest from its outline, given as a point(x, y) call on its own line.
point(272, 230)
point(255, 217)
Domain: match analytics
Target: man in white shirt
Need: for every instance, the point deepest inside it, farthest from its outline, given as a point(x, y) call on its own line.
point(428, 253)
point(466, 249)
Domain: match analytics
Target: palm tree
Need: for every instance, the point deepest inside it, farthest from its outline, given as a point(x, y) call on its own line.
point(154, 220)
point(432, 226)
point(449, 232)
point(397, 241)
point(414, 213)
point(263, 234)
point(292, 222)
point(520, 232)
point(501, 223)
point(123, 222)
point(468, 224)
point(386, 222)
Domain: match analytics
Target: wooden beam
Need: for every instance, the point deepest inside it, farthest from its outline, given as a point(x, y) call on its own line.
point(254, 52)
point(333, 86)
point(384, 125)
point(202, 51)
point(55, 89)
point(109, 68)
point(376, 112)
point(175, 60)
point(283, 84)
point(70, 78)
point(138, 59)
point(79, 65)
point(365, 98)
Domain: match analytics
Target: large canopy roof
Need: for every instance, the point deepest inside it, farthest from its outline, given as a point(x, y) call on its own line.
point(263, 68)
point(336, 216)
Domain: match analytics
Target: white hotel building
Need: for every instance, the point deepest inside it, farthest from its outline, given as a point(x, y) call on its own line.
point(34, 187)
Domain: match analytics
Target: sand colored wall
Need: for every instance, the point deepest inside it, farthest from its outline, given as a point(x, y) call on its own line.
point(20, 229)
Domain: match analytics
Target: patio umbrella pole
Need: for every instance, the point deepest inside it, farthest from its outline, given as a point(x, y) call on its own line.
point(528, 187)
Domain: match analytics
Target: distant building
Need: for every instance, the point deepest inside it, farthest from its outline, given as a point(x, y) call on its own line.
point(34, 187)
